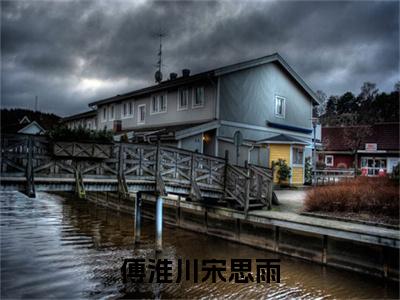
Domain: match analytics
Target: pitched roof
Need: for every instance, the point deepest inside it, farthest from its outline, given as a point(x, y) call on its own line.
point(86, 114)
point(282, 139)
point(385, 135)
point(25, 129)
point(273, 58)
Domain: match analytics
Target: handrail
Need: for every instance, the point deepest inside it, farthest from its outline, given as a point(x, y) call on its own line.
point(257, 170)
point(237, 170)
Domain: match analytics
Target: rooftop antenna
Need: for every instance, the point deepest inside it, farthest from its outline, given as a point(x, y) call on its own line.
point(36, 103)
point(158, 74)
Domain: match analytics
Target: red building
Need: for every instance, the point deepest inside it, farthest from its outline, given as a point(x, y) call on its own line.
point(375, 146)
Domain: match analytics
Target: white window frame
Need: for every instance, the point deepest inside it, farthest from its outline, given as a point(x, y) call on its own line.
point(104, 112)
point(278, 115)
point(180, 108)
point(139, 121)
point(131, 108)
point(153, 101)
point(194, 93)
point(326, 163)
point(302, 159)
point(127, 114)
point(111, 117)
point(157, 110)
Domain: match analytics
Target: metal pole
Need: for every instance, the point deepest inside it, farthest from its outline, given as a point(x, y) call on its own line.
point(314, 157)
point(138, 216)
point(159, 222)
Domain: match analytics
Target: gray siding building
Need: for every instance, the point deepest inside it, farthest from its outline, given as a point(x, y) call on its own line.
point(261, 98)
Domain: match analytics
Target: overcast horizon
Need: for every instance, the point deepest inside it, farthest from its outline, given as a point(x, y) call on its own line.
point(71, 53)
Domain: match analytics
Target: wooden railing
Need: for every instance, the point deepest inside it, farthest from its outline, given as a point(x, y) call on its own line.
point(35, 156)
point(332, 176)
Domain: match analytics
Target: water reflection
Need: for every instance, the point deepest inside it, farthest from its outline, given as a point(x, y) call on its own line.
point(53, 247)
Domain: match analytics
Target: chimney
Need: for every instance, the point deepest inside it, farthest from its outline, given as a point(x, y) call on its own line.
point(185, 73)
point(173, 76)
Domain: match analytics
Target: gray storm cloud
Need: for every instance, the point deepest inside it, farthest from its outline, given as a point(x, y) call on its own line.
point(70, 53)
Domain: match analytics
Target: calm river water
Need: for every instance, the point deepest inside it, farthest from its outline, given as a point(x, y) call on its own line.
point(53, 247)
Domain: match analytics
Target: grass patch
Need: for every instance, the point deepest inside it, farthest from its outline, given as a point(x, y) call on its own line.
point(374, 196)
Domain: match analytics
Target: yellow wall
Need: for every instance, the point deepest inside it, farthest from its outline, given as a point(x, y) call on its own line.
point(297, 175)
point(276, 152)
point(283, 152)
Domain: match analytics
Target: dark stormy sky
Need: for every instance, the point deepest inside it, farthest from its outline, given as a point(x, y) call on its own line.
point(70, 53)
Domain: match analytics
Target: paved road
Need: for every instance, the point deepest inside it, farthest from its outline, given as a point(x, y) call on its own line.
point(290, 200)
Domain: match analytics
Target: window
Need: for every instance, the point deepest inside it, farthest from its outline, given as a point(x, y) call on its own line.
point(297, 156)
point(130, 108)
point(141, 113)
point(127, 109)
point(162, 103)
point(280, 107)
point(198, 100)
point(111, 112)
point(329, 160)
point(183, 99)
point(104, 114)
point(124, 110)
point(154, 104)
point(158, 104)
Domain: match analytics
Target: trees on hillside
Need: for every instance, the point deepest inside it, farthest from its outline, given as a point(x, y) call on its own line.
point(368, 107)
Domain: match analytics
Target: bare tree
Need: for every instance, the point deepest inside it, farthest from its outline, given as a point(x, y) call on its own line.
point(322, 98)
point(368, 92)
point(354, 136)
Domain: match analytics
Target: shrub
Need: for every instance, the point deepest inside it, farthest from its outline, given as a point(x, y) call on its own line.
point(307, 171)
point(63, 133)
point(283, 171)
point(377, 196)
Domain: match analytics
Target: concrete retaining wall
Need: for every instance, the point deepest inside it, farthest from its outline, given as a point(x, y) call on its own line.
point(346, 250)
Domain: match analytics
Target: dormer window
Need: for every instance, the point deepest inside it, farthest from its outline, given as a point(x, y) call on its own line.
point(280, 107)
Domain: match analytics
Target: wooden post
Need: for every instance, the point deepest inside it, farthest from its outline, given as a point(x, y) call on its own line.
point(247, 189)
point(270, 186)
point(195, 192)
point(226, 170)
point(120, 160)
point(159, 223)
point(138, 216)
point(79, 186)
point(158, 161)
point(30, 184)
point(192, 171)
point(122, 186)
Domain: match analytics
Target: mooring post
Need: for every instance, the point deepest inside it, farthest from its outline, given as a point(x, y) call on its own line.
point(138, 216)
point(159, 222)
